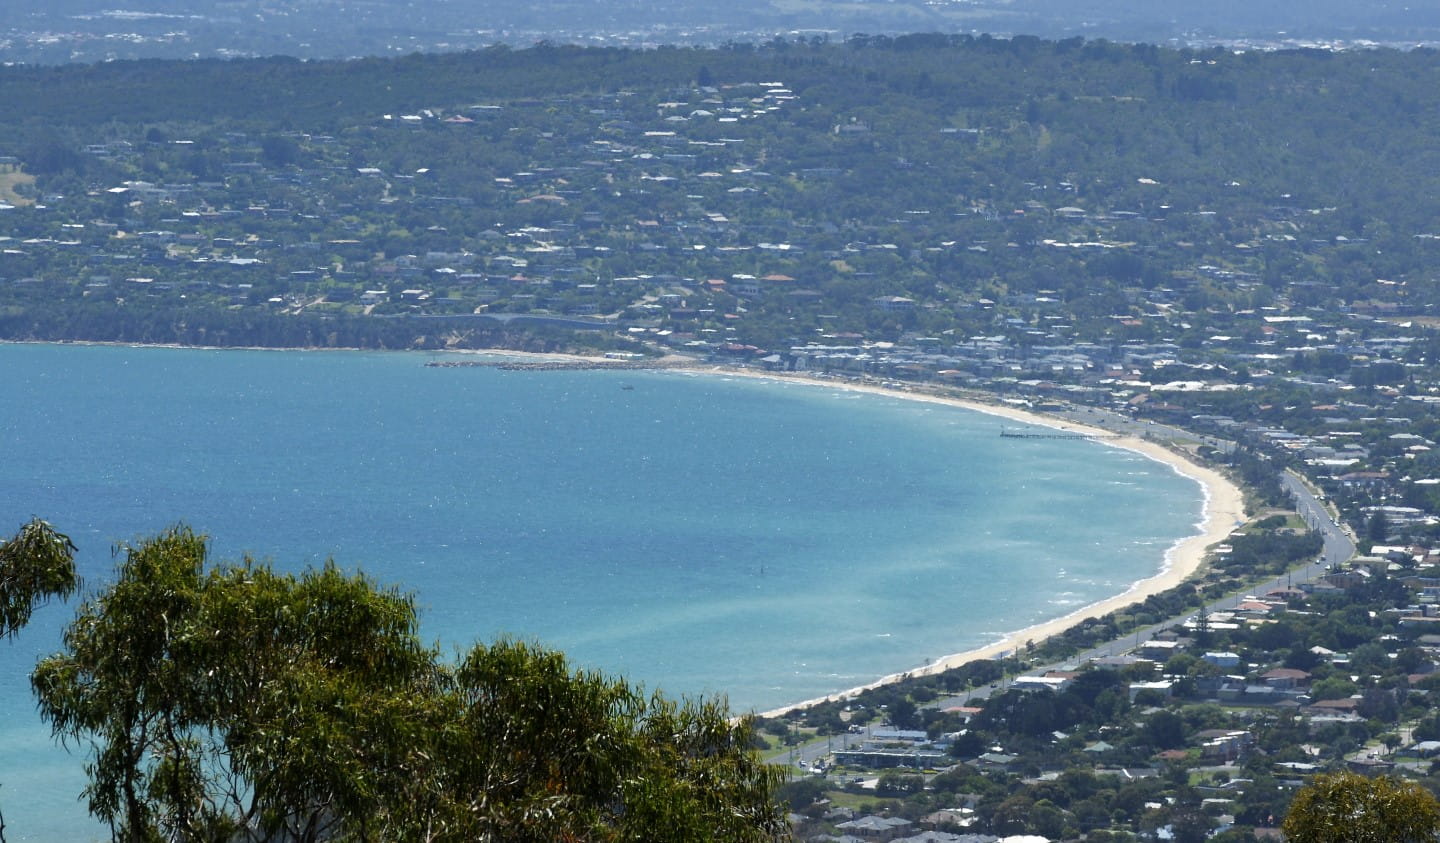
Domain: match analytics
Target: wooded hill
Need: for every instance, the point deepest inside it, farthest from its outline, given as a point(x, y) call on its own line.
point(961, 173)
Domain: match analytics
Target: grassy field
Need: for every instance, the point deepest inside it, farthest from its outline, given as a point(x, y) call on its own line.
point(11, 178)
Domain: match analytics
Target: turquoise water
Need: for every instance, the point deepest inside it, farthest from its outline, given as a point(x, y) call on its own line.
point(701, 534)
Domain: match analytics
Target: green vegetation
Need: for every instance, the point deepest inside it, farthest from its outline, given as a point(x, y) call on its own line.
point(231, 700)
point(1350, 808)
point(1237, 242)
point(1211, 751)
point(37, 565)
point(927, 185)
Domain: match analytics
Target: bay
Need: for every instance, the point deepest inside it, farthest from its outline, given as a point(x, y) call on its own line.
point(771, 541)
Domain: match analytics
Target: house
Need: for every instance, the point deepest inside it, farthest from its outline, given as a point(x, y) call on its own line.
point(960, 817)
point(1368, 766)
point(1159, 650)
point(1424, 749)
point(883, 759)
point(1253, 609)
point(875, 828)
point(1284, 595)
point(1224, 660)
point(900, 735)
point(1348, 705)
point(943, 837)
point(1041, 683)
point(1164, 687)
point(1352, 578)
point(744, 286)
point(1286, 679)
point(1223, 744)
point(893, 304)
point(1119, 662)
point(995, 761)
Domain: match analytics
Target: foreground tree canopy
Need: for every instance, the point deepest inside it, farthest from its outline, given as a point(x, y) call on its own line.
point(36, 565)
point(1350, 808)
point(234, 702)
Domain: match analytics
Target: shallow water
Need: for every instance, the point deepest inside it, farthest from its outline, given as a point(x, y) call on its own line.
point(771, 541)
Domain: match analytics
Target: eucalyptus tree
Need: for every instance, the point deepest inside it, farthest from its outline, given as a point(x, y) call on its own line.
point(37, 565)
point(1347, 807)
point(237, 702)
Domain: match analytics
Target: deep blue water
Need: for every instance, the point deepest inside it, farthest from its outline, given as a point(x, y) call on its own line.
point(701, 534)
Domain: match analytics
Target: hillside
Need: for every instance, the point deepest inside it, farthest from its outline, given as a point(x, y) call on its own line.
point(761, 196)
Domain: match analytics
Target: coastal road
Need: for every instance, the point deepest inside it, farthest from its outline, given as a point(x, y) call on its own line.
point(805, 757)
point(1338, 547)
point(1127, 426)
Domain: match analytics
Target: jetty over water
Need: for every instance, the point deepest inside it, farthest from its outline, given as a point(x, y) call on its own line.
point(1056, 434)
point(555, 365)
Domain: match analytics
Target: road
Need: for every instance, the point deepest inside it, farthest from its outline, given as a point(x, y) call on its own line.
point(1120, 423)
point(1338, 547)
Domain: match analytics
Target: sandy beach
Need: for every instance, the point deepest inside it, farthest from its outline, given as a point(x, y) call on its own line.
point(1224, 510)
point(1223, 507)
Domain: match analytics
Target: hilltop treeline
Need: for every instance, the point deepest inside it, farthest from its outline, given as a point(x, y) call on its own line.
point(1294, 119)
point(1041, 190)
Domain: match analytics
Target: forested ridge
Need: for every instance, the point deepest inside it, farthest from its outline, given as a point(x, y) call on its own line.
point(955, 171)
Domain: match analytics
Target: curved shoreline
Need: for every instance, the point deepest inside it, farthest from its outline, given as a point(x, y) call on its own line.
point(1223, 502)
point(1223, 510)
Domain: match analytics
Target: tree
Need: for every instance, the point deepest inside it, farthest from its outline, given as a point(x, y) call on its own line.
point(1350, 808)
point(800, 794)
point(1377, 530)
point(1333, 688)
point(903, 714)
point(896, 783)
point(967, 744)
point(1164, 730)
point(234, 701)
point(36, 565)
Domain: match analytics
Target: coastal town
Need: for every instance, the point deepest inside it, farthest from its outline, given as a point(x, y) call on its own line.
point(39, 32)
point(1266, 332)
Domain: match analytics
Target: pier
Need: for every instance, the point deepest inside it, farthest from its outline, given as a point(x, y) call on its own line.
point(554, 365)
point(1056, 434)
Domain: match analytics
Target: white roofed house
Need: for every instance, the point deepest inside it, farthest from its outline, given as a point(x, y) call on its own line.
point(1160, 650)
point(1224, 744)
point(893, 304)
point(1222, 659)
point(1050, 682)
point(1163, 687)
